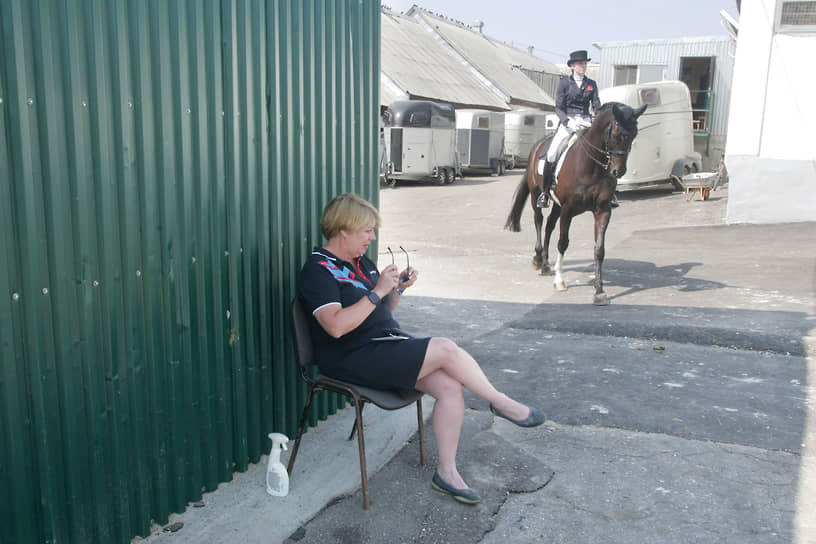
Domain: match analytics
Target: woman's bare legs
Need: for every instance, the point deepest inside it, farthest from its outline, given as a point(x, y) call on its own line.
point(445, 355)
point(446, 369)
point(448, 414)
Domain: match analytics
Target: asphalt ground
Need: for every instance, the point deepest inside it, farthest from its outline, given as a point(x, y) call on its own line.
point(685, 411)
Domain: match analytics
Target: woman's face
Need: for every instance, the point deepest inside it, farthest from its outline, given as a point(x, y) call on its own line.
point(357, 242)
point(579, 68)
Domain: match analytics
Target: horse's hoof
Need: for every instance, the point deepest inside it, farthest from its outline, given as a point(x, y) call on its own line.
point(560, 286)
point(600, 299)
point(536, 264)
point(546, 270)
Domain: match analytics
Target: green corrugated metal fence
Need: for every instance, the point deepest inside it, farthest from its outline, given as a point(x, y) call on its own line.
point(163, 165)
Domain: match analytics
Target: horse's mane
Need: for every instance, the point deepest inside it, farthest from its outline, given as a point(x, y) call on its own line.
point(629, 122)
point(607, 106)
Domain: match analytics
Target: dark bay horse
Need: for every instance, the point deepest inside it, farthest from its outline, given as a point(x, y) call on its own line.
point(586, 182)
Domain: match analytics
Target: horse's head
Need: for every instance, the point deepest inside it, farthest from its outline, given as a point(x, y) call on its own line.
point(622, 131)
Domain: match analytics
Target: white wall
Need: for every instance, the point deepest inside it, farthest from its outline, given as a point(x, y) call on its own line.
point(771, 148)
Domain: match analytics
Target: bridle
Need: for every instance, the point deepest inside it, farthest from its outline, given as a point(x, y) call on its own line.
point(606, 152)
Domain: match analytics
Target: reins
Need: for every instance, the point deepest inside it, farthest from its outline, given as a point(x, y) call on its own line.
point(606, 152)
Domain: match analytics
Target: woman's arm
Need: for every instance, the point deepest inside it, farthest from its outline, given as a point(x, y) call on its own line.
point(561, 100)
point(337, 321)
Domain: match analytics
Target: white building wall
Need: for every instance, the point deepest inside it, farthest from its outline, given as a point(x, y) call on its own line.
point(771, 148)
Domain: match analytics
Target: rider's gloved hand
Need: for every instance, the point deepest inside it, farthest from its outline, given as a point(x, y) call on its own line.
point(573, 125)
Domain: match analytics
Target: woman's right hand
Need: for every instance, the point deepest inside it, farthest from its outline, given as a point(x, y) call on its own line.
point(389, 279)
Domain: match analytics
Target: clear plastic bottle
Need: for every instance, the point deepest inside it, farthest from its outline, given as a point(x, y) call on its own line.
point(277, 478)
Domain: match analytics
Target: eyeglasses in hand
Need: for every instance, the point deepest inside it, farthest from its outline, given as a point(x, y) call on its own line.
point(407, 261)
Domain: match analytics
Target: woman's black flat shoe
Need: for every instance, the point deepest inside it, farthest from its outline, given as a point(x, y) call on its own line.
point(535, 418)
point(467, 495)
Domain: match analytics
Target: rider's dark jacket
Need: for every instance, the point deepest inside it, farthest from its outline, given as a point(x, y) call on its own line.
point(573, 100)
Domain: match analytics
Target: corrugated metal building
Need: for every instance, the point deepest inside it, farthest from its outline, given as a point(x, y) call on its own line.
point(163, 166)
point(488, 58)
point(420, 65)
point(706, 64)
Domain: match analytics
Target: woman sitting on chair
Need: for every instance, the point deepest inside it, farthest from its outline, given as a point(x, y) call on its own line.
point(352, 301)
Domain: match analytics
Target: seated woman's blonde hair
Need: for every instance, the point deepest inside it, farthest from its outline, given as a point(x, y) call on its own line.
point(348, 212)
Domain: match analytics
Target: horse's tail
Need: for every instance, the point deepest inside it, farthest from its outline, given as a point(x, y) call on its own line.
point(519, 198)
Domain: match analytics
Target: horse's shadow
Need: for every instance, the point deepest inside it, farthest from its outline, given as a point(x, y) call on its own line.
point(637, 276)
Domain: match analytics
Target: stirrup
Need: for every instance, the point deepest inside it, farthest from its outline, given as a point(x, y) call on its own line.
point(553, 197)
point(614, 202)
point(542, 200)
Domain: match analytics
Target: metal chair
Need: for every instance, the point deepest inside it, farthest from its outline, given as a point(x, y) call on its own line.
point(385, 399)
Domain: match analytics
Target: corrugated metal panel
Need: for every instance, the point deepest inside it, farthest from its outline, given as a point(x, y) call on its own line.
point(669, 52)
point(163, 166)
point(421, 66)
point(489, 58)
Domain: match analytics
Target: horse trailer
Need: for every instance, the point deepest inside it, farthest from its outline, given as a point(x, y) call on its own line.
point(664, 146)
point(420, 142)
point(480, 136)
point(522, 129)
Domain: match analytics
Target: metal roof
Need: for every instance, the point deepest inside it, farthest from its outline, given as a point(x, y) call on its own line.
point(491, 58)
point(418, 63)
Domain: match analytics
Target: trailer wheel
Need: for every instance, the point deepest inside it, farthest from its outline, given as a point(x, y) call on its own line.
point(442, 177)
point(390, 182)
point(450, 175)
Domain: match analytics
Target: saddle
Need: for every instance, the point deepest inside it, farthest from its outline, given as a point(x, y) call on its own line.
point(560, 153)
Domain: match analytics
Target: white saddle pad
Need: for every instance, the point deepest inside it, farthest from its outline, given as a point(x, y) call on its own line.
point(540, 167)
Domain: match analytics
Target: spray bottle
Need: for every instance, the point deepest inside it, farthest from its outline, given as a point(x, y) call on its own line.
point(277, 479)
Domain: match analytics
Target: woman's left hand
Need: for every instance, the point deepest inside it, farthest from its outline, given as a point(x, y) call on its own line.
point(407, 278)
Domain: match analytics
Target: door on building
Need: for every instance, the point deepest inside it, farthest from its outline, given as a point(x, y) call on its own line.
point(697, 73)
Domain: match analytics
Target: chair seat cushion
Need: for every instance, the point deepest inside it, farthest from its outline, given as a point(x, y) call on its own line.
point(387, 399)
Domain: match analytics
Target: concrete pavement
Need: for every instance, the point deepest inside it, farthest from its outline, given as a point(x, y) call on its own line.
point(683, 412)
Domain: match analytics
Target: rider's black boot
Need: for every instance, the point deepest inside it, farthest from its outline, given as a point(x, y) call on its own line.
point(614, 203)
point(546, 183)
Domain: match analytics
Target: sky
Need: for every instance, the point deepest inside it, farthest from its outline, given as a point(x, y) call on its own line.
point(556, 28)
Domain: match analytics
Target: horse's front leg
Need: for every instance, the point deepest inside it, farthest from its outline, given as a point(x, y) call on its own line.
point(539, 263)
point(548, 230)
point(601, 222)
point(563, 244)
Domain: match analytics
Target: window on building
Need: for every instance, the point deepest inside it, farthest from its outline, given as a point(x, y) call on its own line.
point(648, 73)
point(483, 123)
point(529, 120)
point(796, 16)
point(624, 75)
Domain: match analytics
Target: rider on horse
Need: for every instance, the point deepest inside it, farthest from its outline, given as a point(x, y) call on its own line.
point(573, 97)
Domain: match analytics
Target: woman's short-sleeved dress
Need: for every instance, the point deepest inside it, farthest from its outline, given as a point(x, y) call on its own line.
point(326, 279)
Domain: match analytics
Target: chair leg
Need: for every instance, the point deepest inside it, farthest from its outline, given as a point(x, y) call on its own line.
point(421, 424)
point(358, 424)
point(301, 426)
point(354, 426)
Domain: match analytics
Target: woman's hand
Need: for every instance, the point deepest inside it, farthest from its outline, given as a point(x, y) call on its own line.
point(389, 279)
point(407, 278)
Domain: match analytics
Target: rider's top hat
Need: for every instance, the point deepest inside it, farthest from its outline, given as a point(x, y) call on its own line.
point(578, 56)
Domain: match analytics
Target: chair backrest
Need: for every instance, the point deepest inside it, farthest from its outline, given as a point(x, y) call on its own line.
point(304, 353)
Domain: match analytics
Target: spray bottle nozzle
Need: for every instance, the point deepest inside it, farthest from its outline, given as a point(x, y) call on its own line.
point(279, 441)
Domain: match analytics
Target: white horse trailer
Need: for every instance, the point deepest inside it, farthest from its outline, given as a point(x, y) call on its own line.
point(480, 140)
point(420, 141)
point(664, 146)
point(522, 129)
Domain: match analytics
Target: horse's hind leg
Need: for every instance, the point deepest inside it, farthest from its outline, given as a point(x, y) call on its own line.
point(601, 222)
point(563, 244)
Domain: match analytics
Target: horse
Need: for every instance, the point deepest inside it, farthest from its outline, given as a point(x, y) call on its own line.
point(586, 182)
